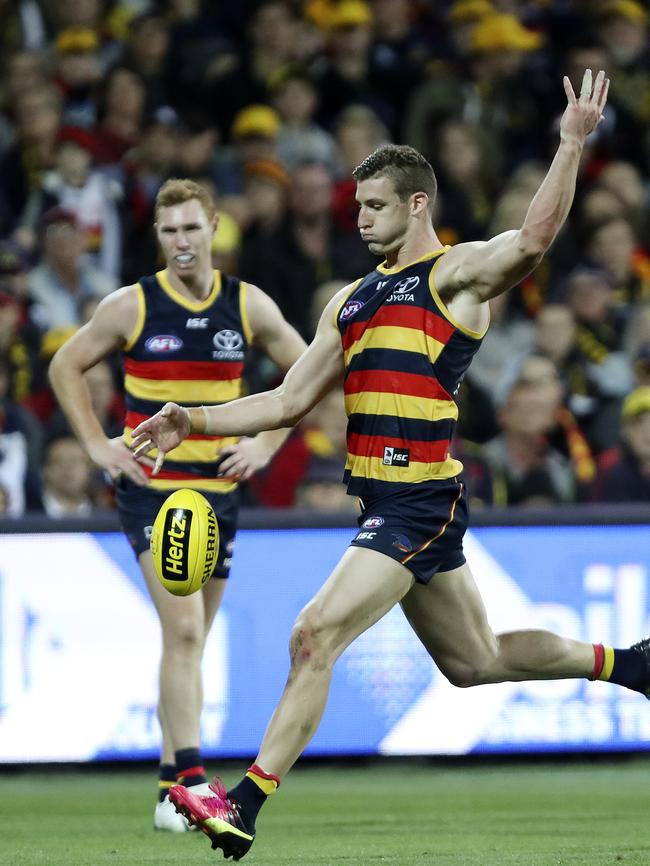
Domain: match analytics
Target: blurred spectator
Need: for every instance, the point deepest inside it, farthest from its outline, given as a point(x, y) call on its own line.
point(358, 131)
point(301, 139)
point(22, 25)
point(20, 344)
point(248, 76)
point(497, 94)
point(87, 193)
point(614, 247)
point(526, 470)
point(121, 109)
point(38, 113)
point(306, 250)
point(507, 337)
point(66, 473)
point(266, 185)
point(599, 337)
point(226, 245)
point(642, 366)
point(624, 471)
point(20, 443)
point(21, 71)
point(65, 278)
point(254, 136)
point(78, 71)
point(348, 76)
point(321, 488)
point(623, 32)
point(466, 181)
point(146, 55)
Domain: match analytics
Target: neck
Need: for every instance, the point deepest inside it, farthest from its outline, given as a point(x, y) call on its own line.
point(196, 286)
point(410, 249)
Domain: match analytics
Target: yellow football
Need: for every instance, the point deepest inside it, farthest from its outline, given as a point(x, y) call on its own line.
point(185, 542)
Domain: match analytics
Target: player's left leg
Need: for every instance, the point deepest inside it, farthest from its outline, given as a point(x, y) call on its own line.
point(449, 617)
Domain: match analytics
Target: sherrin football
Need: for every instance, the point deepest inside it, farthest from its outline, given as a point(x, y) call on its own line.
point(185, 542)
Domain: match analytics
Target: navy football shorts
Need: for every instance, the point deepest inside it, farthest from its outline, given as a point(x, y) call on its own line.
point(138, 507)
point(422, 526)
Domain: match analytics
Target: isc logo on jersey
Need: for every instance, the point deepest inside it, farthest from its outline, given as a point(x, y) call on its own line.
point(396, 456)
point(185, 542)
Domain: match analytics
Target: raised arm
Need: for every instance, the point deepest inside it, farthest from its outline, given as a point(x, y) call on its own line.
point(107, 331)
point(484, 269)
point(317, 370)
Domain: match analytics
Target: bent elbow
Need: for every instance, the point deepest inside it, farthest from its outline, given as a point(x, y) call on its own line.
point(532, 248)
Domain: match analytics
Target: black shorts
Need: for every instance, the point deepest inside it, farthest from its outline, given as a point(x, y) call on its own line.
point(422, 526)
point(138, 507)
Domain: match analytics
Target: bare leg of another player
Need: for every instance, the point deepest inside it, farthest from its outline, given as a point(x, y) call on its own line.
point(185, 624)
point(449, 617)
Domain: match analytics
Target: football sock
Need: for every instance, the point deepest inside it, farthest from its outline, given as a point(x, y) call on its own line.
point(251, 794)
point(625, 667)
point(189, 767)
point(167, 778)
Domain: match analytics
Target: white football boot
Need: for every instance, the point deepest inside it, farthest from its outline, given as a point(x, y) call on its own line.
point(165, 817)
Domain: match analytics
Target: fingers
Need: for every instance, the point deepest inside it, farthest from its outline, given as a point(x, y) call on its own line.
point(586, 86)
point(159, 462)
point(568, 89)
point(602, 96)
point(141, 445)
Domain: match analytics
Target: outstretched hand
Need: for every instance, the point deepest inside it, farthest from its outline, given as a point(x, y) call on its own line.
point(583, 114)
point(164, 431)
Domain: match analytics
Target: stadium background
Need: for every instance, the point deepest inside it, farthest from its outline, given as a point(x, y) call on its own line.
point(271, 105)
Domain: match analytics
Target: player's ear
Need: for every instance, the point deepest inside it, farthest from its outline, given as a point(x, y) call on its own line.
point(419, 202)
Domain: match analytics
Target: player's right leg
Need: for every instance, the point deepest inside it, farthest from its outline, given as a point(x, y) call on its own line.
point(363, 587)
point(180, 699)
point(449, 617)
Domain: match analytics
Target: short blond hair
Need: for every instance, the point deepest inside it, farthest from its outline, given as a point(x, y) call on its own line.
point(178, 190)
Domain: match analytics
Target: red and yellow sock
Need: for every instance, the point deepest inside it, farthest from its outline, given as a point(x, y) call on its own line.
point(251, 794)
point(625, 667)
point(189, 768)
point(166, 778)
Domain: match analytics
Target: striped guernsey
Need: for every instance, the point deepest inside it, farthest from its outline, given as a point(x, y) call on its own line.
point(188, 352)
point(405, 357)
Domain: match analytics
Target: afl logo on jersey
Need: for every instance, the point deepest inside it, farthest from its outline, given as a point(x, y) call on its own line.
point(350, 309)
point(163, 343)
point(229, 345)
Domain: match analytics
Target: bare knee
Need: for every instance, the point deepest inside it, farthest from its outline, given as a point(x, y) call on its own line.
point(308, 645)
point(185, 635)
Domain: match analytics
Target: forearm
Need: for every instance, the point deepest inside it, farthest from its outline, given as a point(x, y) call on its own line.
point(245, 417)
point(72, 393)
point(552, 202)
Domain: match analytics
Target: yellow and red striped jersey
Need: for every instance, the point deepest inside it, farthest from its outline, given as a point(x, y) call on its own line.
point(405, 357)
point(188, 352)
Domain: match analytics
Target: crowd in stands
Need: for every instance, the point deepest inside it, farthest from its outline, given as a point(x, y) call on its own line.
point(271, 104)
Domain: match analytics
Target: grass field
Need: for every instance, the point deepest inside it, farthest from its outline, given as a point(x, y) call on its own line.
point(401, 814)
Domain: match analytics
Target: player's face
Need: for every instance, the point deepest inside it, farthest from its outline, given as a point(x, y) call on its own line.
point(185, 235)
point(383, 217)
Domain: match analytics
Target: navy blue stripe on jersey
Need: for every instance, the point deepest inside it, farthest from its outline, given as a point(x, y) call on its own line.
point(390, 426)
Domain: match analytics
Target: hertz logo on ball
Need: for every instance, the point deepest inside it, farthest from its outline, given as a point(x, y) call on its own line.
point(176, 536)
point(185, 542)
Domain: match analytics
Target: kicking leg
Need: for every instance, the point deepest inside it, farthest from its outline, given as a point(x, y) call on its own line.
point(449, 617)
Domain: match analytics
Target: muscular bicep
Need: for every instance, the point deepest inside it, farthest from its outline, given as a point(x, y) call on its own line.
point(486, 269)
